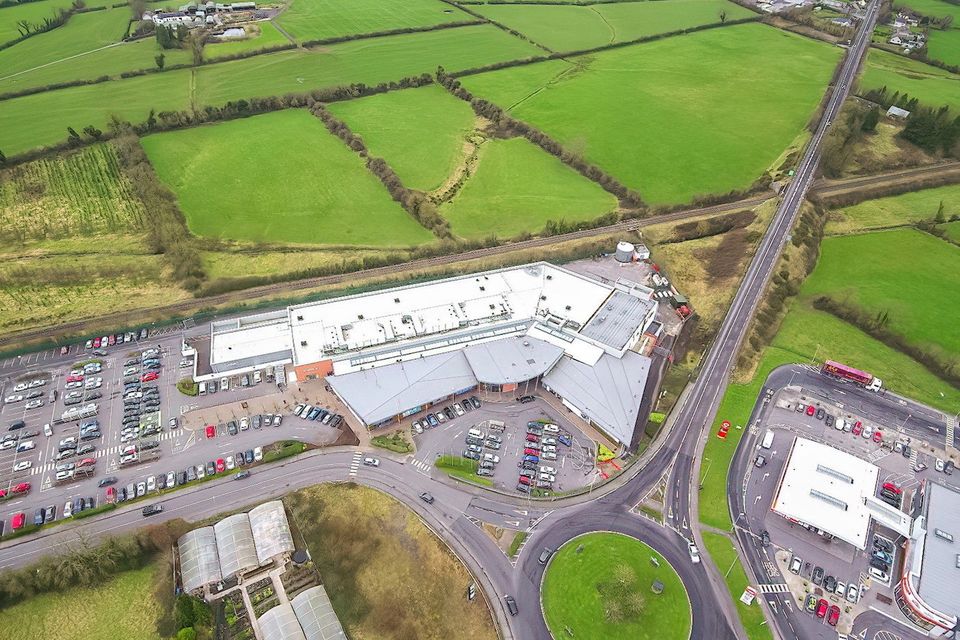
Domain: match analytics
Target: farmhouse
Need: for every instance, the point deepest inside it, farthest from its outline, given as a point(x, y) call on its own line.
point(392, 353)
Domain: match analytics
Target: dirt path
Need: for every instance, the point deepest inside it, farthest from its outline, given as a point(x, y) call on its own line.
point(284, 32)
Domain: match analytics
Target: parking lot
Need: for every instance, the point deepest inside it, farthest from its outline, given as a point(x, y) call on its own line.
point(831, 579)
point(564, 468)
point(142, 433)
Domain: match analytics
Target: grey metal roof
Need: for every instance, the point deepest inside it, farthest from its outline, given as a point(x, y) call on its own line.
point(280, 623)
point(235, 545)
point(939, 575)
point(199, 560)
point(271, 530)
point(512, 359)
point(608, 393)
point(380, 393)
point(617, 319)
point(316, 615)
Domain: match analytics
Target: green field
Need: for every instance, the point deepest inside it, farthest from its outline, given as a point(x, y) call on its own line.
point(99, 613)
point(393, 124)
point(76, 194)
point(367, 61)
point(918, 292)
point(322, 19)
point(571, 27)
point(952, 230)
point(34, 13)
point(677, 117)
point(906, 208)
point(387, 575)
point(945, 45)
point(260, 35)
point(83, 33)
point(598, 587)
point(517, 187)
point(933, 87)
point(42, 119)
point(287, 180)
point(933, 8)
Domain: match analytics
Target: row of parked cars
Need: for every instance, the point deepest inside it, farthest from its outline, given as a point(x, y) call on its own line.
point(318, 414)
point(854, 427)
point(259, 421)
point(112, 339)
point(540, 445)
point(29, 390)
point(449, 412)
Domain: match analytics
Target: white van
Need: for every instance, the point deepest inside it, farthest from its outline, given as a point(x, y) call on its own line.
point(476, 433)
point(767, 440)
point(224, 384)
point(202, 387)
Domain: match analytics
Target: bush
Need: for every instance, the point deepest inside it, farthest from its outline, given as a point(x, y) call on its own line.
point(86, 513)
point(282, 450)
point(183, 613)
point(187, 387)
point(396, 443)
point(187, 633)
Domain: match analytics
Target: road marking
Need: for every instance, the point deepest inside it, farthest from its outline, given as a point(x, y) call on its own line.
point(422, 467)
point(355, 464)
point(773, 588)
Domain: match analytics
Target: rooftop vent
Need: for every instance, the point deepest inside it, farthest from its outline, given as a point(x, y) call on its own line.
point(543, 297)
point(549, 276)
point(397, 300)
point(568, 307)
point(482, 288)
point(359, 316)
point(943, 535)
point(303, 343)
point(300, 318)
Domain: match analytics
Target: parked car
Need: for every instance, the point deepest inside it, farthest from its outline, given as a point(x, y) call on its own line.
point(822, 606)
point(833, 615)
point(152, 509)
point(795, 565)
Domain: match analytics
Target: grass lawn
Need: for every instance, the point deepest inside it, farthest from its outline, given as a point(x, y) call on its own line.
point(902, 209)
point(101, 613)
point(43, 118)
point(933, 8)
point(604, 591)
point(260, 35)
point(919, 293)
point(82, 33)
point(76, 194)
point(571, 27)
point(953, 231)
point(945, 45)
point(393, 124)
point(320, 19)
point(933, 87)
point(677, 117)
point(387, 575)
point(369, 61)
point(463, 468)
point(279, 177)
point(724, 555)
point(517, 187)
point(34, 13)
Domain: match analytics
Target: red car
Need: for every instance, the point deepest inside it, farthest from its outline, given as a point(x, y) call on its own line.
point(149, 376)
point(221, 465)
point(111, 495)
point(18, 520)
point(834, 615)
point(822, 608)
point(532, 437)
point(87, 462)
point(889, 486)
point(857, 428)
point(112, 340)
point(811, 410)
point(74, 378)
point(878, 436)
point(524, 480)
point(23, 487)
point(96, 343)
point(211, 431)
point(531, 452)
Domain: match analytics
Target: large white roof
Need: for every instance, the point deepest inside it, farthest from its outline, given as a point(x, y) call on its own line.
point(827, 489)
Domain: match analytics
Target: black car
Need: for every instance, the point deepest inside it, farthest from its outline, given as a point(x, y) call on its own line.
point(38, 517)
point(242, 474)
point(16, 424)
point(151, 509)
point(511, 605)
point(149, 444)
point(884, 545)
point(447, 411)
point(240, 459)
point(878, 563)
point(256, 420)
point(107, 481)
point(818, 575)
point(829, 420)
point(528, 464)
point(820, 413)
point(90, 435)
point(88, 503)
point(524, 399)
point(191, 474)
point(426, 497)
point(765, 541)
point(121, 495)
point(211, 468)
point(337, 421)
point(466, 405)
point(132, 362)
point(830, 584)
point(92, 396)
point(181, 477)
point(78, 505)
point(87, 448)
point(50, 514)
point(232, 428)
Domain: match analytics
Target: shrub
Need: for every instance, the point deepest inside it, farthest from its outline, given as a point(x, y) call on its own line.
point(395, 442)
point(187, 633)
point(187, 387)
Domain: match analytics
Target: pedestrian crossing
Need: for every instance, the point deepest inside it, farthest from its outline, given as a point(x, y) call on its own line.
point(773, 588)
point(914, 455)
point(355, 464)
point(422, 467)
point(100, 453)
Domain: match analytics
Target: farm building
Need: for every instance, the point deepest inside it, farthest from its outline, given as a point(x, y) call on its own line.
point(897, 112)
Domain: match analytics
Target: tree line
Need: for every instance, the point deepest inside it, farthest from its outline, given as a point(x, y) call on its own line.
point(58, 19)
point(414, 202)
point(482, 18)
point(392, 32)
point(508, 126)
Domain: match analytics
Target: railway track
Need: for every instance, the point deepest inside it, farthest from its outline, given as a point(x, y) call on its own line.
point(186, 307)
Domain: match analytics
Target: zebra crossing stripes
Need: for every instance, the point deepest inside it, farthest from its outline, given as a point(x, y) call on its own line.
point(773, 588)
point(422, 467)
point(355, 464)
point(99, 453)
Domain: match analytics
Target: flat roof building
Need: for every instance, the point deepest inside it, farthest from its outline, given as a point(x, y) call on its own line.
point(927, 592)
point(828, 489)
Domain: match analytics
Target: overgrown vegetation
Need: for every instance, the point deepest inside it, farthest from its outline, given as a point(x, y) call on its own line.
point(395, 442)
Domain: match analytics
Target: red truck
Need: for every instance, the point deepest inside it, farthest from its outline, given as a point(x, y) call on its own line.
point(840, 370)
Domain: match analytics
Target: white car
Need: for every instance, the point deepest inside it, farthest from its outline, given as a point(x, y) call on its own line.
point(127, 437)
point(546, 469)
point(73, 385)
point(128, 457)
point(370, 462)
point(838, 424)
point(417, 429)
point(68, 508)
point(39, 382)
point(694, 553)
point(551, 428)
point(23, 465)
point(548, 455)
point(258, 454)
point(7, 444)
point(141, 489)
point(548, 477)
point(244, 423)
point(230, 463)
point(47, 430)
point(26, 445)
point(458, 409)
point(171, 479)
point(440, 417)
point(21, 386)
point(548, 448)
point(151, 484)
point(277, 419)
point(201, 472)
point(129, 371)
point(489, 457)
point(550, 441)
point(34, 404)
point(14, 398)
point(256, 377)
point(64, 475)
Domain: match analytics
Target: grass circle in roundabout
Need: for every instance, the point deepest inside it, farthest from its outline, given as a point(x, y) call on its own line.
point(601, 586)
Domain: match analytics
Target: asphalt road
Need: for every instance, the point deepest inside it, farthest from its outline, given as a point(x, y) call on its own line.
point(452, 514)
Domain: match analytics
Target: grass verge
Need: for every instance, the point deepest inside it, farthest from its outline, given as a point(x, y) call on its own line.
point(395, 442)
point(462, 468)
point(725, 556)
